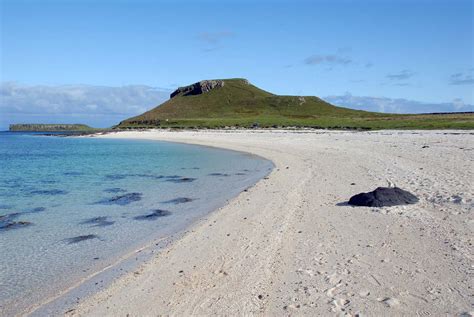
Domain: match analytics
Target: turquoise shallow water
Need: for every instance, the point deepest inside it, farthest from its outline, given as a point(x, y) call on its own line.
point(71, 206)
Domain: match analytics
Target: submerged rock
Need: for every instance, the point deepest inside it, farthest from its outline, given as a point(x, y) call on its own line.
point(181, 180)
point(98, 222)
point(179, 200)
point(73, 173)
point(7, 222)
point(38, 209)
point(153, 215)
point(9, 217)
point(114, 177)
point(122, 200)
point(114, 190)
point(81, 238)
point(14, 224)
point(51, 192)
point(384, 197)
point(218, 174)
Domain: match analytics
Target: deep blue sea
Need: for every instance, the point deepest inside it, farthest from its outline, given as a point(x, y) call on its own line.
point(72, 206)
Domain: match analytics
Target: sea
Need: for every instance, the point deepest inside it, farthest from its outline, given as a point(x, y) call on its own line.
point(76, 212)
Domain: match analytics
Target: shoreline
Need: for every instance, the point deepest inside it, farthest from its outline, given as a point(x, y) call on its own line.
point(136, 256)
point(310, 253)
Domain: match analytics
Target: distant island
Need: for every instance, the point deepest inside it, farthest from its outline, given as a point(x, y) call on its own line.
point(33, 127)
point(237, 103)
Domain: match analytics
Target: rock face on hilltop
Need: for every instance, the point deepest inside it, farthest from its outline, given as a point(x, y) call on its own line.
point(198, 88)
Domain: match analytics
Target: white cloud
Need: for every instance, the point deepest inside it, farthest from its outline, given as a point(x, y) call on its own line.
point(73, 102)
point(462, 78)
point(327, 59)
point(398, 105)
point(70, 99)
point(402, 75)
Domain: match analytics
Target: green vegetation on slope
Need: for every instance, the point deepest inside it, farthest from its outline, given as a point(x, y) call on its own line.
point(239, 103)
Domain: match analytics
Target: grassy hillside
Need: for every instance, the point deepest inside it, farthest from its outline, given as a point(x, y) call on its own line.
point(239, 103)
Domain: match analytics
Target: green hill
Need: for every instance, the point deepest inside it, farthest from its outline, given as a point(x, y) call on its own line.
point(236, 102)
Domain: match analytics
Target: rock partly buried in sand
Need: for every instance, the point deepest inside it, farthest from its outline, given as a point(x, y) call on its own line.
point(384, 197)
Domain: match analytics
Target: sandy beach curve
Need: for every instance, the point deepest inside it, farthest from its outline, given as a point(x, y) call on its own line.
point(291, 245)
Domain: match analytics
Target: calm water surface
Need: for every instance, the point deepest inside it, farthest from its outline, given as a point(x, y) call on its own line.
point(71, 206)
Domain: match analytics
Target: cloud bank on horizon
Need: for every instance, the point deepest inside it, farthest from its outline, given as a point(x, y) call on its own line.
point(397, 105)
point(102, 106)
point(98, 106)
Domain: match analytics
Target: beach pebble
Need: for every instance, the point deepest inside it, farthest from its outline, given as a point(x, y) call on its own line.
point(391, 302)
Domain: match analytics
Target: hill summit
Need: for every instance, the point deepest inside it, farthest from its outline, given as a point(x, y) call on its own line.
point(237, 103)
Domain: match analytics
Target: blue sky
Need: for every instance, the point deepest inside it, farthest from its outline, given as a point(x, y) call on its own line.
point(420, 52)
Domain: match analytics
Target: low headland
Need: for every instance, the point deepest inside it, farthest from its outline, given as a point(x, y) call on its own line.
point(50, 127)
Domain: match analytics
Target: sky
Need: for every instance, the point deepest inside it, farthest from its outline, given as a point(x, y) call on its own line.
point(99, 62)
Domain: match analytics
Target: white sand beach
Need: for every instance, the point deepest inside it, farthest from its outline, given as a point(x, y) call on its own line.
point(291, 246)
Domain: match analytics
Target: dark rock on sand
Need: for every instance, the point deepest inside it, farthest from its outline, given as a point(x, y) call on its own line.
point(181, 180)
point(81, 238)
point(155, 214)
point(122, 200)
point(384, 197)
point(98, 222)
point(50, 192)
point(179, 200)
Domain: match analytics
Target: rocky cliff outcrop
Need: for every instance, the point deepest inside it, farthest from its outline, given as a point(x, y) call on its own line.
point(198, 88)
